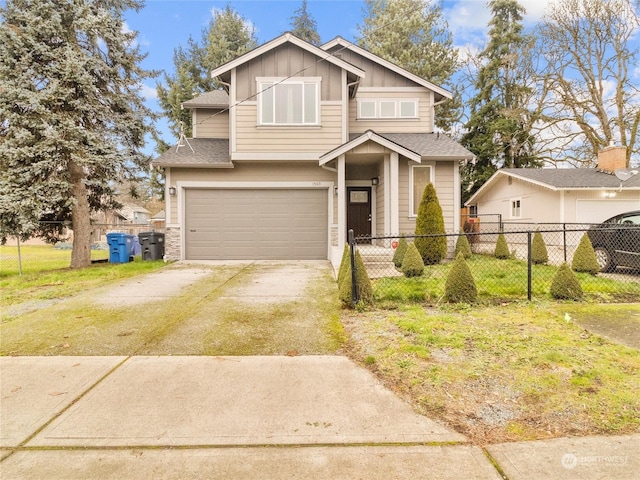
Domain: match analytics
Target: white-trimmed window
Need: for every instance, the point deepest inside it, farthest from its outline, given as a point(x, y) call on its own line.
point(293, 101)
point(372, 108)
point(419, 177)
point(516, 211)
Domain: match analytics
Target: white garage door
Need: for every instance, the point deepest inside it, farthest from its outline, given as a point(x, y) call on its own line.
point(596, 211)
point(266, 224)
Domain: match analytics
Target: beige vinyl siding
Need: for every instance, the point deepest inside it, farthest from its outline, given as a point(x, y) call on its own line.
point(252, 138)
point(210, 123)
point(284, 61)
point(444, 188)
point(423, 124)
point(250, 172)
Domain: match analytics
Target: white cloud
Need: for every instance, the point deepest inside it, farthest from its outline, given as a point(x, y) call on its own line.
point(148, 93)
point(140, 40)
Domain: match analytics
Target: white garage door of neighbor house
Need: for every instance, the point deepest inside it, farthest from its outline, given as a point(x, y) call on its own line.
point(256, 224)
point(596, 211)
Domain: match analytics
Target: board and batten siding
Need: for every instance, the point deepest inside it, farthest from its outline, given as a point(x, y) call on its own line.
point(444, 184)
point(267, 139)
point(250, 172)
point(422, 124)
point(284, 61)
point(210, 123)
point(377, 75)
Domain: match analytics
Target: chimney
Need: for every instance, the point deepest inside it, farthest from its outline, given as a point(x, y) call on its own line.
point(612, 158)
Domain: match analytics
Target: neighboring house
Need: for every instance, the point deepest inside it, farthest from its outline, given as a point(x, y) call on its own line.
point(578, 195)
point(158, 220)
point(135, 214)
point(303, 144)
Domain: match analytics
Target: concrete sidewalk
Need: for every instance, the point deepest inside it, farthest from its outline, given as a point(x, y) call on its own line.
point(307, 417)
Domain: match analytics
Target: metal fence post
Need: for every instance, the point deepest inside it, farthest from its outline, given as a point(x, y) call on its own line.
point(354, 277)
point(564, 240)
point(529, 261)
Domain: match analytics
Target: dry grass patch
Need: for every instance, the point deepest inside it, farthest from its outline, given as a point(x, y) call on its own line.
point(513, 372)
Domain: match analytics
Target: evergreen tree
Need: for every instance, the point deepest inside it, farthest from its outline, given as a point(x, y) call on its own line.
point(401, 250)
point(414, 35)
point(502, 248)
point(412, 264)
point(565, 285)
point(499, 130)
point(304, 25)
point(584, 258)
point(539, 254)
point(227, 36)
point(73, 119)
point(430, 222)
point(460, 285)
point(462, 246)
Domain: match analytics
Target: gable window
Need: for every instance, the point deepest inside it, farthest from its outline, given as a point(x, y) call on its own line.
point(515, 208)
point(370, 108)
point(419, 177)
point(288, 102)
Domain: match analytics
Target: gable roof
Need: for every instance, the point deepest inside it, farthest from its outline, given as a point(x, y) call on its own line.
point(287, 37)
point(414, 146)
point(345, 44)
point(207, 153)
point(558, 179)
point(212, 99)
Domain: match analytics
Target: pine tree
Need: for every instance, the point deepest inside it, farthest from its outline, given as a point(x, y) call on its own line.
point(565, 284)
point(462, 246)
point(499, 130)
point(460, 285)
point(430, 221)
point(73, 119)
point(304, 25)
point(227, 36)
point(412, 264)
point(414, 35)
point(401, 250)
point(584, 258)
point(502, 248)
point(539, 254)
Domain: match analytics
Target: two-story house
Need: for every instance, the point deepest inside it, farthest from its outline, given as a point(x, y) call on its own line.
point(303, 144)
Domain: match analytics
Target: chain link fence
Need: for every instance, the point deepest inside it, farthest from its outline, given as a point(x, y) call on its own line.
point(520, 275)
point(35, 255)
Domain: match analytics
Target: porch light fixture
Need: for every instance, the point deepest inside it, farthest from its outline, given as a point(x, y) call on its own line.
point(375, 180)
point(335, 190)
point(172, 190)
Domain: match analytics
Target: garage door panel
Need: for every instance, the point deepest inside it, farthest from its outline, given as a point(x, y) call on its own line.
point(249, 224)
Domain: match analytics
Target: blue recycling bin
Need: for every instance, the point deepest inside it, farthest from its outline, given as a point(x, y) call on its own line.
point(120, 247)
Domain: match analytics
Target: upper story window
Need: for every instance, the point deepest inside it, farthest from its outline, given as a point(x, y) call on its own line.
point(375, 108)
point(419, 177)
point(515, 208)
point(293, 101)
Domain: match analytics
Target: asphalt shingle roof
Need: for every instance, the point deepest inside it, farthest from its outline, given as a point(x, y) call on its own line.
point(427, 144)
point(572, 178)
point(212, 99)
point(207, 152)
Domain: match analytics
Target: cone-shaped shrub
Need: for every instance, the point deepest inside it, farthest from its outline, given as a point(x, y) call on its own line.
point(462, 246)
point(502, 249)
point(539, 253)
point(344, 263)
point(460, 286)
point(412, 265)
point(365, 290)
point(584, 258)
point(565, 284)
point(401, 249)
point(430, 221)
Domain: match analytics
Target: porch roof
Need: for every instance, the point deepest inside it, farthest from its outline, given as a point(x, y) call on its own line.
point(207, 153)
point(415, 146)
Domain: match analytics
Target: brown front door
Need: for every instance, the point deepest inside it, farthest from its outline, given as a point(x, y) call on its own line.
point(359, 211)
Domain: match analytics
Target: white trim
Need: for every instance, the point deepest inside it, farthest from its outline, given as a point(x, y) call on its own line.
point(342, 202)
point(167, 197)
point(381, 61)
point(378, 108)
point(181, 186)
point(457, 197)
point(282, 39)
point(394, 203)
point(392, 90)
point(233, 114)
point(285, 156)
point(387, 194)
point(432, 180)
point(194, 123)
point(345, 108)
point(562, 207)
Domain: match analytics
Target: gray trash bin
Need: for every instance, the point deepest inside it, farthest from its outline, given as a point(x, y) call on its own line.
point(151, 245)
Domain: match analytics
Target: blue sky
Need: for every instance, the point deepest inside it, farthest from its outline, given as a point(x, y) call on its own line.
point(165, 24)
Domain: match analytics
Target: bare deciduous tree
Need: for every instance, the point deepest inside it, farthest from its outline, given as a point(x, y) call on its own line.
point(589, 91)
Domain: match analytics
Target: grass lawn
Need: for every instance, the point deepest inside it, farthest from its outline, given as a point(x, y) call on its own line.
point(37, 258)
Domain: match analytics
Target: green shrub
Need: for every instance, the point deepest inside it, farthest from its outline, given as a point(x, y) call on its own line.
point(565, 284)
point(502, 249)
point(462, 246)
point(460, 286)
point(412, 265)
point(584, 258)
point(430, 221)
point(365, 289)
point(539, 253)
point(401, 249)
point(344, 263)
